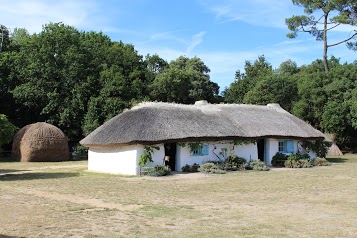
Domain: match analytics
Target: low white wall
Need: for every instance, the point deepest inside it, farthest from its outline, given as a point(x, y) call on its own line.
point(183, 155)
point(272, 147)
point(120, 160)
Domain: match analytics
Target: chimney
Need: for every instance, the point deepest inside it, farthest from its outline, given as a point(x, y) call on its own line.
point(201, 103)
point(277, 107)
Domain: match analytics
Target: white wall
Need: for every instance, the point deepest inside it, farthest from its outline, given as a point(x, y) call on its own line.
point(119, 160)
point(183, 155)
point(125, 159)
point(272, 147)
point(157, 156)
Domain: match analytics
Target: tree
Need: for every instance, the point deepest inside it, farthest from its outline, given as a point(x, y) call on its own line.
point(184, 81)
point(273, 90)
point(343, 12)
point(122, 83)
point(7, 130)
point(259, 70)
point(4, 38)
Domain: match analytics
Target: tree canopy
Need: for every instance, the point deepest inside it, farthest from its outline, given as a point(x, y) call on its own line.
point(77, 80)
point(323, 16)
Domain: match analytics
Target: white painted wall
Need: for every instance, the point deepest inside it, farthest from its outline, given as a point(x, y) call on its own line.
point(125, 159)
point(157, 156)
point(183, 155)
point(272, 147)
point(120, 160)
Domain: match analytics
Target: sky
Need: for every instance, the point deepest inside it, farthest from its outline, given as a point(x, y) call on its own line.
point(224, 33)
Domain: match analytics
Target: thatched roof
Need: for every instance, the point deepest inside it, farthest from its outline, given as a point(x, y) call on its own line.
point(156, 122)
point(40, 142)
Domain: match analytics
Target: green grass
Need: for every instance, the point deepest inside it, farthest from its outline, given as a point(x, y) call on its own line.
point(63, 200)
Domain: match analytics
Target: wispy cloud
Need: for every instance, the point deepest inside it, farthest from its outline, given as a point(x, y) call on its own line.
point(196, 40)
point(254, 12)
point(33, 14)
point(169, 36)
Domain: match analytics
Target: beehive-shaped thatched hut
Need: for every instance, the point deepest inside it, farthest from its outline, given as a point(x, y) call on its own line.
point(40, 142)
point(334, 150)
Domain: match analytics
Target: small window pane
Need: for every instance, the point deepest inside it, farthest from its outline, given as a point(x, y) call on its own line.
point(281, 146)
point(196, 151)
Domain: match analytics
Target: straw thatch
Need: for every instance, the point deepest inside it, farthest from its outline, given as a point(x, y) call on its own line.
point(334, 149)
point(40, 142)
point(150, 123)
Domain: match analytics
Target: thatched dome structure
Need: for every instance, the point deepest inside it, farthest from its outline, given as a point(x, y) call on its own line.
point(334, 150)
point(40, 142)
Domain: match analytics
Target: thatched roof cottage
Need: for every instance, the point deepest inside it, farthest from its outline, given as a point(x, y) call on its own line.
point(116, 146)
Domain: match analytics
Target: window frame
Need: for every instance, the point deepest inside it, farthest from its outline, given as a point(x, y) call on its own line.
point(284, 146)
point(201, 151)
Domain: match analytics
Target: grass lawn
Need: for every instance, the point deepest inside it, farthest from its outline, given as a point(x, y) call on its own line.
point(64, 200)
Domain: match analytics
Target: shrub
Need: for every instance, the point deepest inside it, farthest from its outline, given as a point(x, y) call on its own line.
point(279, 159)
point(319, 147)
point(81, 150)
point(320, 162)
point(258, 165)
point(190, 169)
point(211, 168)
point(233, 159)
point(293, 162)
point(158, 170)
point(186, 168)
point(305, 163)
point(195, 167)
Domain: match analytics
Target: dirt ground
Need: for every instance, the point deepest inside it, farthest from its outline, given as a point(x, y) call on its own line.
point(65, 200)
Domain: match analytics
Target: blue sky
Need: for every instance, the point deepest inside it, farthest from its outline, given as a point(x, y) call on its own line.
point(224, 34)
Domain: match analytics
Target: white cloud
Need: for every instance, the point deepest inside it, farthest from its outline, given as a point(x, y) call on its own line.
point(196, 40)
point(33, 14)
point(254, 12)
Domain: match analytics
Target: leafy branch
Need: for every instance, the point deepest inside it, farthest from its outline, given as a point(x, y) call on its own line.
point(147, 156)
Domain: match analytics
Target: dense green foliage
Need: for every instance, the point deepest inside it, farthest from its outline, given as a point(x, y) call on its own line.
point(328, 101)
point(7, 130)
point(190, 168)
point(77, 80)
point(278, 160)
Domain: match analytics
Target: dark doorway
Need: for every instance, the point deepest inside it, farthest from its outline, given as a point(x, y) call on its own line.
point(170, 150)
point(261, 149)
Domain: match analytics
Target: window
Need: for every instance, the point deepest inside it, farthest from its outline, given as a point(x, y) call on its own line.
point(200, 150)
point(281, 146)
point(286, 146)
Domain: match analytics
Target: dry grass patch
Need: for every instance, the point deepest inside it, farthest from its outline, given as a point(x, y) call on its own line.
point(64, 200)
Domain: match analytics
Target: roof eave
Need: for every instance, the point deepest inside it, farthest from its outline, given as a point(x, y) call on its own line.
point(197, 139)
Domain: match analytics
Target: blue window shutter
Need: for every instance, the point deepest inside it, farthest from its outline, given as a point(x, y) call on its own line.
point(205, 150)
point(290, 146)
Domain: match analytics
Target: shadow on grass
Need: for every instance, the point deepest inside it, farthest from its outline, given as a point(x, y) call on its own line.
point(337, 160)
point(36, 175)
point(7, 160)
point(5, 171)
point(6, 236)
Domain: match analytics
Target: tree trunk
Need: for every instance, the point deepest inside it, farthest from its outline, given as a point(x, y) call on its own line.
point(325, 43)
